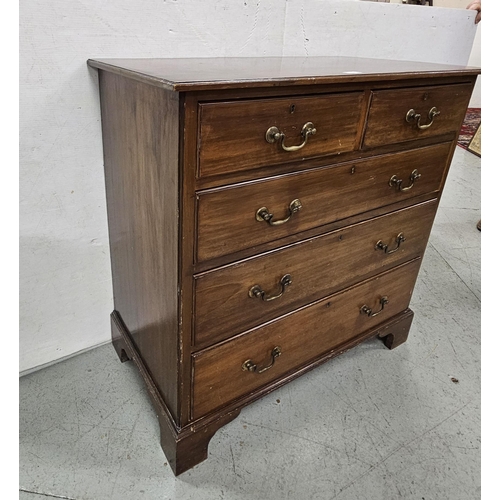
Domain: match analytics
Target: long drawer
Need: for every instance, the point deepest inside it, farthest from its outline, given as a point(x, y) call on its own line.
point(241, 135)
point(415, 113)
point(227, 371)
point(245, 294)
point(245, 215)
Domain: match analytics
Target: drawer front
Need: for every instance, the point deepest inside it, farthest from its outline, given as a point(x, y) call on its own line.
point(233, 218)
point(229, 301)
point(301, 337)
point(388, 122)
point(232, 135)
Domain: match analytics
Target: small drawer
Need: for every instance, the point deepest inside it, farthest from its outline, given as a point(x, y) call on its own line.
point(246, 294)
point(416, 113)
point(225, 372)
point(244, 135)
point(249, 214)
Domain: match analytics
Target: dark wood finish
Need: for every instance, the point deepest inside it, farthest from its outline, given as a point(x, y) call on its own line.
point(304, 335)
point(226, 216)
point(318, 267)
point(142, 194)
point(394, 335)
point(187, 172)
point(232, 135)
point(387, 118)
point(184, 448)
point(204, 183)
point(185, 244)
point(395, 324)
point(218, 93)
point(251, 72)
point(188, 446)
point(118, 338)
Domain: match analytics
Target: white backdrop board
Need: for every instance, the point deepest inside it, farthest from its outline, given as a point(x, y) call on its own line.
point(378, 30)
point(65, 275)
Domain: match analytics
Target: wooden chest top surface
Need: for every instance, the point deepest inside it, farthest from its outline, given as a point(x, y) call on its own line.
point(246, 72)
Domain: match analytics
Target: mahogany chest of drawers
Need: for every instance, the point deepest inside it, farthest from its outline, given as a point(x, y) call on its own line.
point(265, 215)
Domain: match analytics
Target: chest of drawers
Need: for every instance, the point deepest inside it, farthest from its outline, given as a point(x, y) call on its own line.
point(265, 215)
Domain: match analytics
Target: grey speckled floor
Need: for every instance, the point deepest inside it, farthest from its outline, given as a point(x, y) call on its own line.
point(371, 424)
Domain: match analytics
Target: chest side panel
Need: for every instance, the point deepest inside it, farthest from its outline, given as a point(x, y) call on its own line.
point(140, 140)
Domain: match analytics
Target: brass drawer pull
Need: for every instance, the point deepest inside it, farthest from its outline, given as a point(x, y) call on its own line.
point(395, 182)
point(263, 214)
point(250, 366)
point(274, 134)
point(385, 247)
point(369, 312)
point(256, 290)
point(413, 116)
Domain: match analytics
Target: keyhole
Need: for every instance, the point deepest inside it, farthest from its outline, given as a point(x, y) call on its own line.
point(292, 108)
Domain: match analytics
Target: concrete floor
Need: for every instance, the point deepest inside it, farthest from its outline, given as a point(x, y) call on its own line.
point(371, 424)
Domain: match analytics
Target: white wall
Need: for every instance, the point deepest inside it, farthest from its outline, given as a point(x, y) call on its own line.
point(475, 56)
point(475, 60)
point(65, 280)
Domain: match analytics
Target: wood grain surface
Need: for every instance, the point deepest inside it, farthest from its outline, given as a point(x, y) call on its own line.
point(318, 266)
point(187, 172)
point(247, 72)
point(140, 137)
point(302, 336)
point(226, 216)
point(233, 134)
point(387, 117)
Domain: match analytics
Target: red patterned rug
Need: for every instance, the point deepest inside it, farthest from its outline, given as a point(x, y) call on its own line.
point(469, 127)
